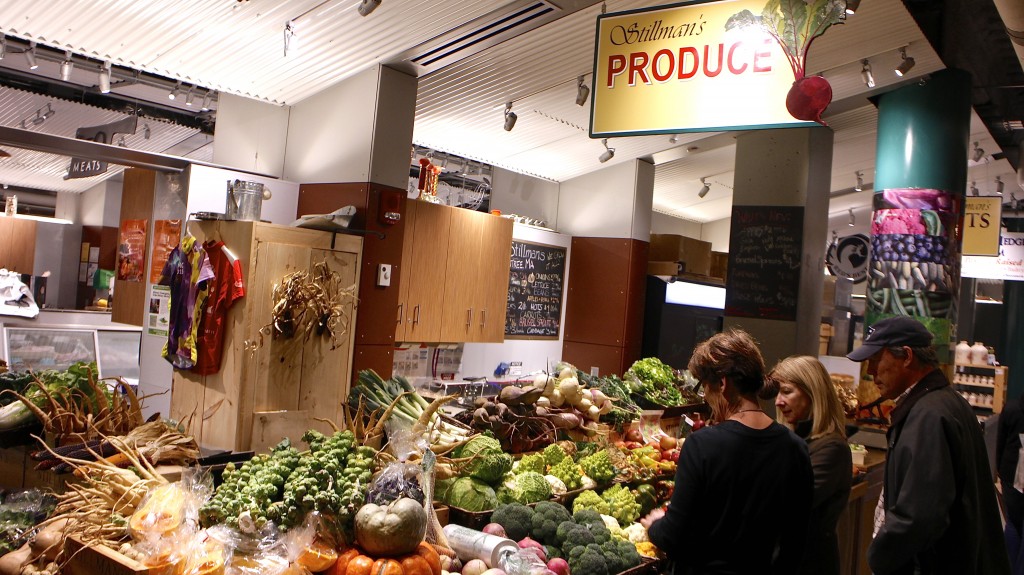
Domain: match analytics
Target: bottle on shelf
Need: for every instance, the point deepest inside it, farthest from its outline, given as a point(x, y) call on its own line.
point(963, 352)
point(979, 354)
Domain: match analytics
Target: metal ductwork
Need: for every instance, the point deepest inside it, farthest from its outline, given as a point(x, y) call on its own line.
point(1012, 14)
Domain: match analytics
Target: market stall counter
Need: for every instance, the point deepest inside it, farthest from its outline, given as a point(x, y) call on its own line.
point(856, 524)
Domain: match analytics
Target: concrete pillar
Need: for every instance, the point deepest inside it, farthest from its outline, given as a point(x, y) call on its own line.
point(608, 213)
point(778, 238)
point(921, 175)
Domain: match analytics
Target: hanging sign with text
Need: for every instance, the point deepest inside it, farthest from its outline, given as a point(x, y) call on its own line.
point(677, 69)
point(765, 252)
point(1007, 265)
point(84, 167)
point(535, 282)
point(982, 215)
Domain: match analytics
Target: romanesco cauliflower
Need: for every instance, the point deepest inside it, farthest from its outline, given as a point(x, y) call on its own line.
point(598, 467)
point(622, 504)
point(590, 500)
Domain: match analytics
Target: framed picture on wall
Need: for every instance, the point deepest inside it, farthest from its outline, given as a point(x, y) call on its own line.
point(37, 349)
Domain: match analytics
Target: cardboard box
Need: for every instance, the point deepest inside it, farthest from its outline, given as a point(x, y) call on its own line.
point(670, 247)
point(665, 268)
point(719, 265)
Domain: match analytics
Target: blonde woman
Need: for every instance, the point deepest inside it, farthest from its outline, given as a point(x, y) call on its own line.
point(809, 405)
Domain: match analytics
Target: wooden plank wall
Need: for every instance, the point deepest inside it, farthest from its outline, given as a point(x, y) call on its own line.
point(136, 204)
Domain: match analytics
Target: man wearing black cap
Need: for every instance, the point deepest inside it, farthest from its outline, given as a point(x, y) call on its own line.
point(938, 512)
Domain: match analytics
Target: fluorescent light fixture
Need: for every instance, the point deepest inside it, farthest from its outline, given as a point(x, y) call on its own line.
point(705, 188)
point(582, 92)
point(698, 295)
point(865, 73)
point(30, 56)
point(851, 6)
point(66, 67)
point(860, 182)
point(61, 221)
point(978, 153)
point(510, 117)
point(906, 64)
point(173, 94)
point(368, 6)
point(105, 78)
point(853, 218)
point(607, 154)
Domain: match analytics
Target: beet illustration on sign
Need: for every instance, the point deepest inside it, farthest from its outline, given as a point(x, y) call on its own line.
point(795, 24)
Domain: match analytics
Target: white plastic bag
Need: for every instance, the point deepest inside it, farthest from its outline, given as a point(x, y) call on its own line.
point(1018, 477)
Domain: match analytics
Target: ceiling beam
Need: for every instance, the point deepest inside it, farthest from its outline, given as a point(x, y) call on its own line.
point(63, 146)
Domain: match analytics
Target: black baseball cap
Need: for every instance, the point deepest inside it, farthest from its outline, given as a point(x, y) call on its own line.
point(892, 332)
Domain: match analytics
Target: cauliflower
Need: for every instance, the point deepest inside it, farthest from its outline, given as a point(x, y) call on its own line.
point(613, 526)
point(587, 483)
point(590, 500)
point(636, 533)
point(557, 487)
point(569, 473)
point(904, 221)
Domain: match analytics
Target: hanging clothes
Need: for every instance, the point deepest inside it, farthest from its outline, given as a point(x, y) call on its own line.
point(188, 273)
point(226, 288)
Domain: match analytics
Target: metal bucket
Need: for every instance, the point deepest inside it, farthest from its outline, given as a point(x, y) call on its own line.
point(245, 200)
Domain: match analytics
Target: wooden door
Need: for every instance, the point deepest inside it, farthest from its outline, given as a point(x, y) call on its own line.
point(492, 292)
point(405, 270)
point(426, 278)
point(463, 281)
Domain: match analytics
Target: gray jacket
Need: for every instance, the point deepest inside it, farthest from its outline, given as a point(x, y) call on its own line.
point(941, 514)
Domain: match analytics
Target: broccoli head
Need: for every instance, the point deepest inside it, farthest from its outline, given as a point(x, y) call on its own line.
point(590, 560)
point(517, 519)
point(622, 504)
point(533, 462)
point(554, 454)
point(590, 500)
point(579, 536)
point(569, 473)
point(598, 467)
point(547, 516)
point(601, 534)
point(552, 552)
point(587, 517)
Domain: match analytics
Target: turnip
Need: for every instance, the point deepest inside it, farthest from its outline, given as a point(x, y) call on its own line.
point(527, 543)
point(559, 566)
point(808, 98)
point(495, 529)
point(490, 572)
point(474, 567)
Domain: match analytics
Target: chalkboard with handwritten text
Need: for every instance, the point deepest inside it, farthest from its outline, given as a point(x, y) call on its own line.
point(766, 247)
point(535, 281)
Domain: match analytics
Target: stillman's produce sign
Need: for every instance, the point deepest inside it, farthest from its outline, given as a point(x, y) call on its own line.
point(676, 69)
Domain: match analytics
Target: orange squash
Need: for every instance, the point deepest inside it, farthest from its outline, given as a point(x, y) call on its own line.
point(359, 565)
point(318, 556)
point(387, 566)
point(427, 552)
point(415, 565)
point(340, 566)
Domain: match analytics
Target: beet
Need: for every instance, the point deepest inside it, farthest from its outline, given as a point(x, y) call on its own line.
point(808, 98)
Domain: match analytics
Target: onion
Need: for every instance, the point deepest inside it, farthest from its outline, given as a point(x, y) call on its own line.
point(474, 567)
point(494, 529)
point(489, 572)
point(559, 566)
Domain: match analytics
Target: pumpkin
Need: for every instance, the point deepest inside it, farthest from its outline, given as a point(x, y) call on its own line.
point(423, 561)
point(391, 530)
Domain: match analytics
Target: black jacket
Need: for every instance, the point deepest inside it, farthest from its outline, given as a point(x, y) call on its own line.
point(941, 514)
point(832, 464)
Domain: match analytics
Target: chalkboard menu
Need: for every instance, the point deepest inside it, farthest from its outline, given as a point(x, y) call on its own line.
point(765, 251)
point(535, 280)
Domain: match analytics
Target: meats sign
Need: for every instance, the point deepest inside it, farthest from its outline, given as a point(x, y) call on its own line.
point(677, 69)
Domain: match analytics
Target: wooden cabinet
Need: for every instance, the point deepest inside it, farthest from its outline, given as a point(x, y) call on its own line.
point(270, 388)
point(17, 245)
point(455, 280)
point(983, 386)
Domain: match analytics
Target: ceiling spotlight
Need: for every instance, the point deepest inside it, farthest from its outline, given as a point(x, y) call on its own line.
point(582, 92)
point(865, 73)
point(851, 6)
point(30, 56)
point(860, 182)
point(999, 185)
point(368, 6)
point(853, 218)
point(607, 154)
point(122, 143)
point(174, 91)
point(189, 96)
point(705, 188)
point(906, 64)
point(291, 38)
point(673, 139)
point(146, 132)
point(974, 189)
point(206, 102)
point(978, 153)
point(105, 79)
point(49, 112)
point(66, 67)
point(510, 117)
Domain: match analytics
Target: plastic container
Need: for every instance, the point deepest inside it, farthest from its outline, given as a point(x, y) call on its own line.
point(963, 352)
point(979, 353)
point(471, 544)
point(522, 562)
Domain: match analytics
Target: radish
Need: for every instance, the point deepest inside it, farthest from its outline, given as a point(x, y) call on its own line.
point(527, 543)
point(808, 98)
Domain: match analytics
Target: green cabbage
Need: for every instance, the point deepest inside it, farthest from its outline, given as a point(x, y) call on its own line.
point(471, 494)
point(489, 464)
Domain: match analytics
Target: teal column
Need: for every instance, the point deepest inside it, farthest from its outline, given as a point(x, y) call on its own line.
point(920, 178)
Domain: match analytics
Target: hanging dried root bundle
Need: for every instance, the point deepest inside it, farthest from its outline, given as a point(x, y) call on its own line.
point(308, 303)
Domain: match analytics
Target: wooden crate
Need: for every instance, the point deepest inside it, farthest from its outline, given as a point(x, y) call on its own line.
point(264, 393)
point(100, 560)
point(12, 467)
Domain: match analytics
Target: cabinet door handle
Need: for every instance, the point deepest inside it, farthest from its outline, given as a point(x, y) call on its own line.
point(469, 317)
point(401, 308)
point(483, 317)
point(416, 314)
